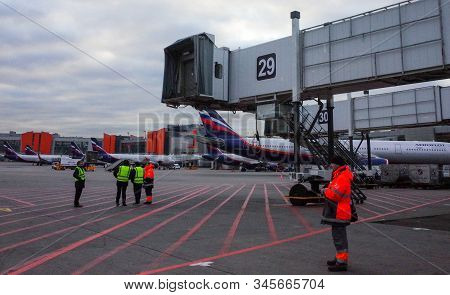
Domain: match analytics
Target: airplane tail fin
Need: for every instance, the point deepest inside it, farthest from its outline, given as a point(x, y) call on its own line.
point(75, 150)
point(9, 151)
point(29, 151)
point(97, 148)
point(215, 125)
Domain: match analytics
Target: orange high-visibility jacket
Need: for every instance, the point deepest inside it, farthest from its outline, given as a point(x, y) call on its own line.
point(148, 172)
point(338, 199)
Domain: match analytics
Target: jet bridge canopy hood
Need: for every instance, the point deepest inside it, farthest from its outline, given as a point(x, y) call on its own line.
point(188, 69)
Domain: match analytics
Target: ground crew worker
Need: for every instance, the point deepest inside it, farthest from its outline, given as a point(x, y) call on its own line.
point(122, 173)
point(137, 178)
point(337, 211)
point(80, 179)
point(149, 177)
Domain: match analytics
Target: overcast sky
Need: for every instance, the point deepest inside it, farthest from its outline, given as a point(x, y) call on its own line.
point(47, 85)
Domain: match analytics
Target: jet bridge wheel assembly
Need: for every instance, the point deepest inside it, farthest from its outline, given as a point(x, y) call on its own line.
point(299, 195)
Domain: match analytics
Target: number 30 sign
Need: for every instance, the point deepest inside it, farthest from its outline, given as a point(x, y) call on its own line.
point(266, 67)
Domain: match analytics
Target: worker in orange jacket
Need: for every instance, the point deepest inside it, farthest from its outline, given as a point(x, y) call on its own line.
point(149, 177)
point(339, 211)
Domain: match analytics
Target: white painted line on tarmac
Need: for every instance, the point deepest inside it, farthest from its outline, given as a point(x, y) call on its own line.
point(203, 264)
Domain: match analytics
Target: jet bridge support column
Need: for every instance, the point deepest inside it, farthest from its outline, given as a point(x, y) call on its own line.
point(369, 152)
point(350, 126)
point(330, 109)
point(296, 89)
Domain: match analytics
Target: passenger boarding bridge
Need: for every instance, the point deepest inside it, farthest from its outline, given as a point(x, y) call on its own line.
point(401, 44)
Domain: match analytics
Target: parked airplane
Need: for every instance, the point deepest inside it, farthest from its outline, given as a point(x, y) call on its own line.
point(48, 159)
point(162, 160)
point(408, 152)
point(215, 154)
point(12, 155)
point(266, 149)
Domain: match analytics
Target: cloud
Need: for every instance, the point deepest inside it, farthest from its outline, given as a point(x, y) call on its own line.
point(48, 85)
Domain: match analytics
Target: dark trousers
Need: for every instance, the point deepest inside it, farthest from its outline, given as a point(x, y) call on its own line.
point(79, 185)
point(121, 190)
point(339, 234)
point(137, 187)
point(148, 190)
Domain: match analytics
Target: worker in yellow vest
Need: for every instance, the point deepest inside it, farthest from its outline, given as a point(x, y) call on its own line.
point(137, 178)
point(122, 174)
point(80, 179)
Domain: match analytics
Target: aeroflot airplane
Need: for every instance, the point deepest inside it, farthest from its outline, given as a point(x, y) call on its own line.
point(215, 154)
point(406, 152)
point(45, 158)
point(11, 154)
point(111, 158)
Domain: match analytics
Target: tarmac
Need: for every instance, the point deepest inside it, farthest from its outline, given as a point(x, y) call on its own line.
point(208, 222)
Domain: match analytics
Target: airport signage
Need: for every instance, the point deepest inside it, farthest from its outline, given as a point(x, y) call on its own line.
point(266, 67)
point(323, 117)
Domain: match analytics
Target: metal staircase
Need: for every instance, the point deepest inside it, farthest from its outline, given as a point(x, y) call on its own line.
point(315, 138)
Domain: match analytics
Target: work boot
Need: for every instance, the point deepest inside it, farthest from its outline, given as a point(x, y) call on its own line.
point(331, 262)
point(338, 267)
point(117, 204)
point(124, 204)
point(78, 205)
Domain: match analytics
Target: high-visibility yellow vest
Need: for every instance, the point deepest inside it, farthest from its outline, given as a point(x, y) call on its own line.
point(81, 174)
point(124, 173)
point(139, 176)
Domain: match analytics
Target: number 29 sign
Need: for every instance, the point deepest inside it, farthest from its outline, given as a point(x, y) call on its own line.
point(266, 67)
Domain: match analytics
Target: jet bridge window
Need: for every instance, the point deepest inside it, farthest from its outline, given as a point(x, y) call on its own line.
point(218, 70)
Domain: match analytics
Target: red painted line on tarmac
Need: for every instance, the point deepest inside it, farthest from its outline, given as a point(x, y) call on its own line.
point(26, 242)
point(52, 255)
point(71, 209)
point(53, 221)
point(389, 195)
point(51, 213)
point(368, 210)
point(424, 194)
point(172, 248)
point(63, 199)
point(96, 204)
point(396, 200)
point(87, 196)
point(18, 201)
point(145, 234)
point(276, 243)
point(379, 206)
point(64, 193)
point(297, 213)
point(270, 225)
point(234, 226)
point(389, 203)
